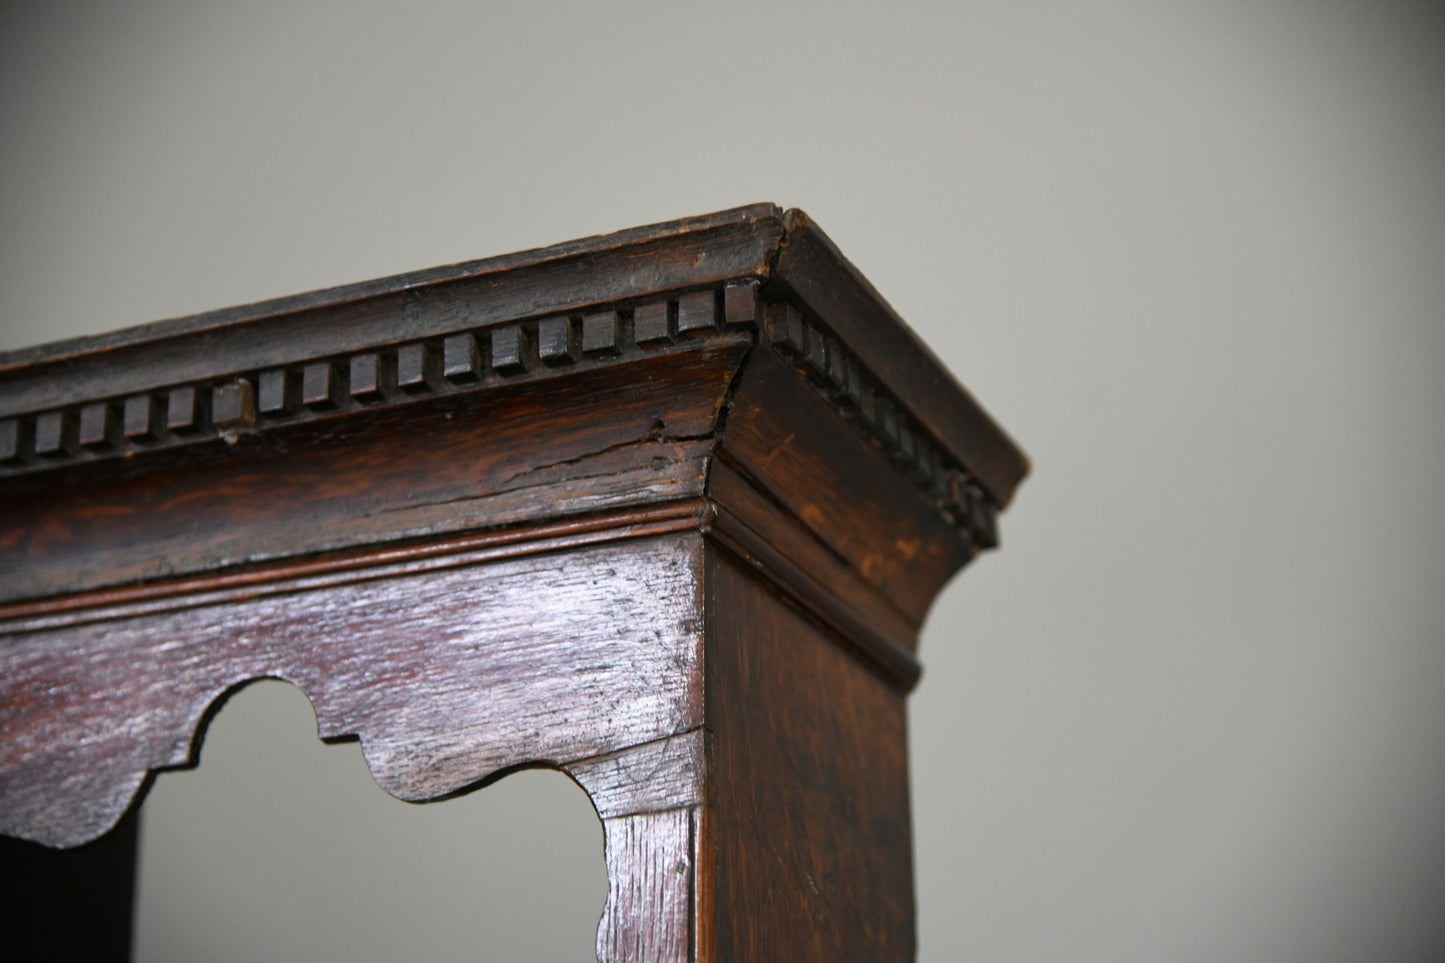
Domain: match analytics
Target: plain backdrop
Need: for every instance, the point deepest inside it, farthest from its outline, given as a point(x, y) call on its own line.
point(1192, 256)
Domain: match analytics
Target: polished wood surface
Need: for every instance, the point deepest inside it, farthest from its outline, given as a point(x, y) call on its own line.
point(809, 780)
point(663, 509)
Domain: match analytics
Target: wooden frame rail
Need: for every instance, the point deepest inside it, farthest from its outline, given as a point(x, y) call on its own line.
point(662, 509)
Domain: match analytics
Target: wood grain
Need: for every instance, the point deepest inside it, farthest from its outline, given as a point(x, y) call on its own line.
point(646, 778)
point(633, 264)
point(811, 267)
point(662, 509)
point(363, 565)
point(792, 444)
point(447, 677)
point(651, 864)
point(599, 441)
point(809, 856)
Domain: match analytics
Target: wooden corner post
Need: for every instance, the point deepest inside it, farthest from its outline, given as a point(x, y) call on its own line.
point(663, 509)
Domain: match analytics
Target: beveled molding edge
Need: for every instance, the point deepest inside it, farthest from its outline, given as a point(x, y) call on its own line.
point(887, 657)
point(885, 654)
point(858, 396)
point(341, 568)
point(508, 353)
point(246, 402)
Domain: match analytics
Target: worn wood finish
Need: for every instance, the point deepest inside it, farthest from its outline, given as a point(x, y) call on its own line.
point(813, 270)
point(782, 435)
point(644, 778)
point(649, 797)
point(803, 568)
point(652, 864)
point(636, 264)
point(808, 785)
point(663, 509)
point(570, 447)
point(447, 676)
point(516, 699)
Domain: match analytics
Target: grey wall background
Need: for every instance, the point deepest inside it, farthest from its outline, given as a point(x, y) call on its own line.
point(1192, 255)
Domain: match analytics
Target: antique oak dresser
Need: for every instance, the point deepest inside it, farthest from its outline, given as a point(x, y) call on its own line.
point(662, 509)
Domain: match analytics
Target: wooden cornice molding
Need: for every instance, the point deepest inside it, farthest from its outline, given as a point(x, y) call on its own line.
point(735, 359)
point(663, 509)
point(471, 325)
point(632, 265)
point(810, 267)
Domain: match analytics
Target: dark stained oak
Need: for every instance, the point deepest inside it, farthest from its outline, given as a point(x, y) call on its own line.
point(466, 461)
point(426, 667)
point(809, 786)
point(663, 509)
point(811, 268)
point(781, 435)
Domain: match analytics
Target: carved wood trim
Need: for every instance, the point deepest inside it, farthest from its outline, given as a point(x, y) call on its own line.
point(343, 568)
point(224, 407)
point(813, 579)
point(662, 509)
point(867, 408)
point(506, 320)
point(635, 265)
point(245, 402)
point(810, 267)
point(425, 667)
